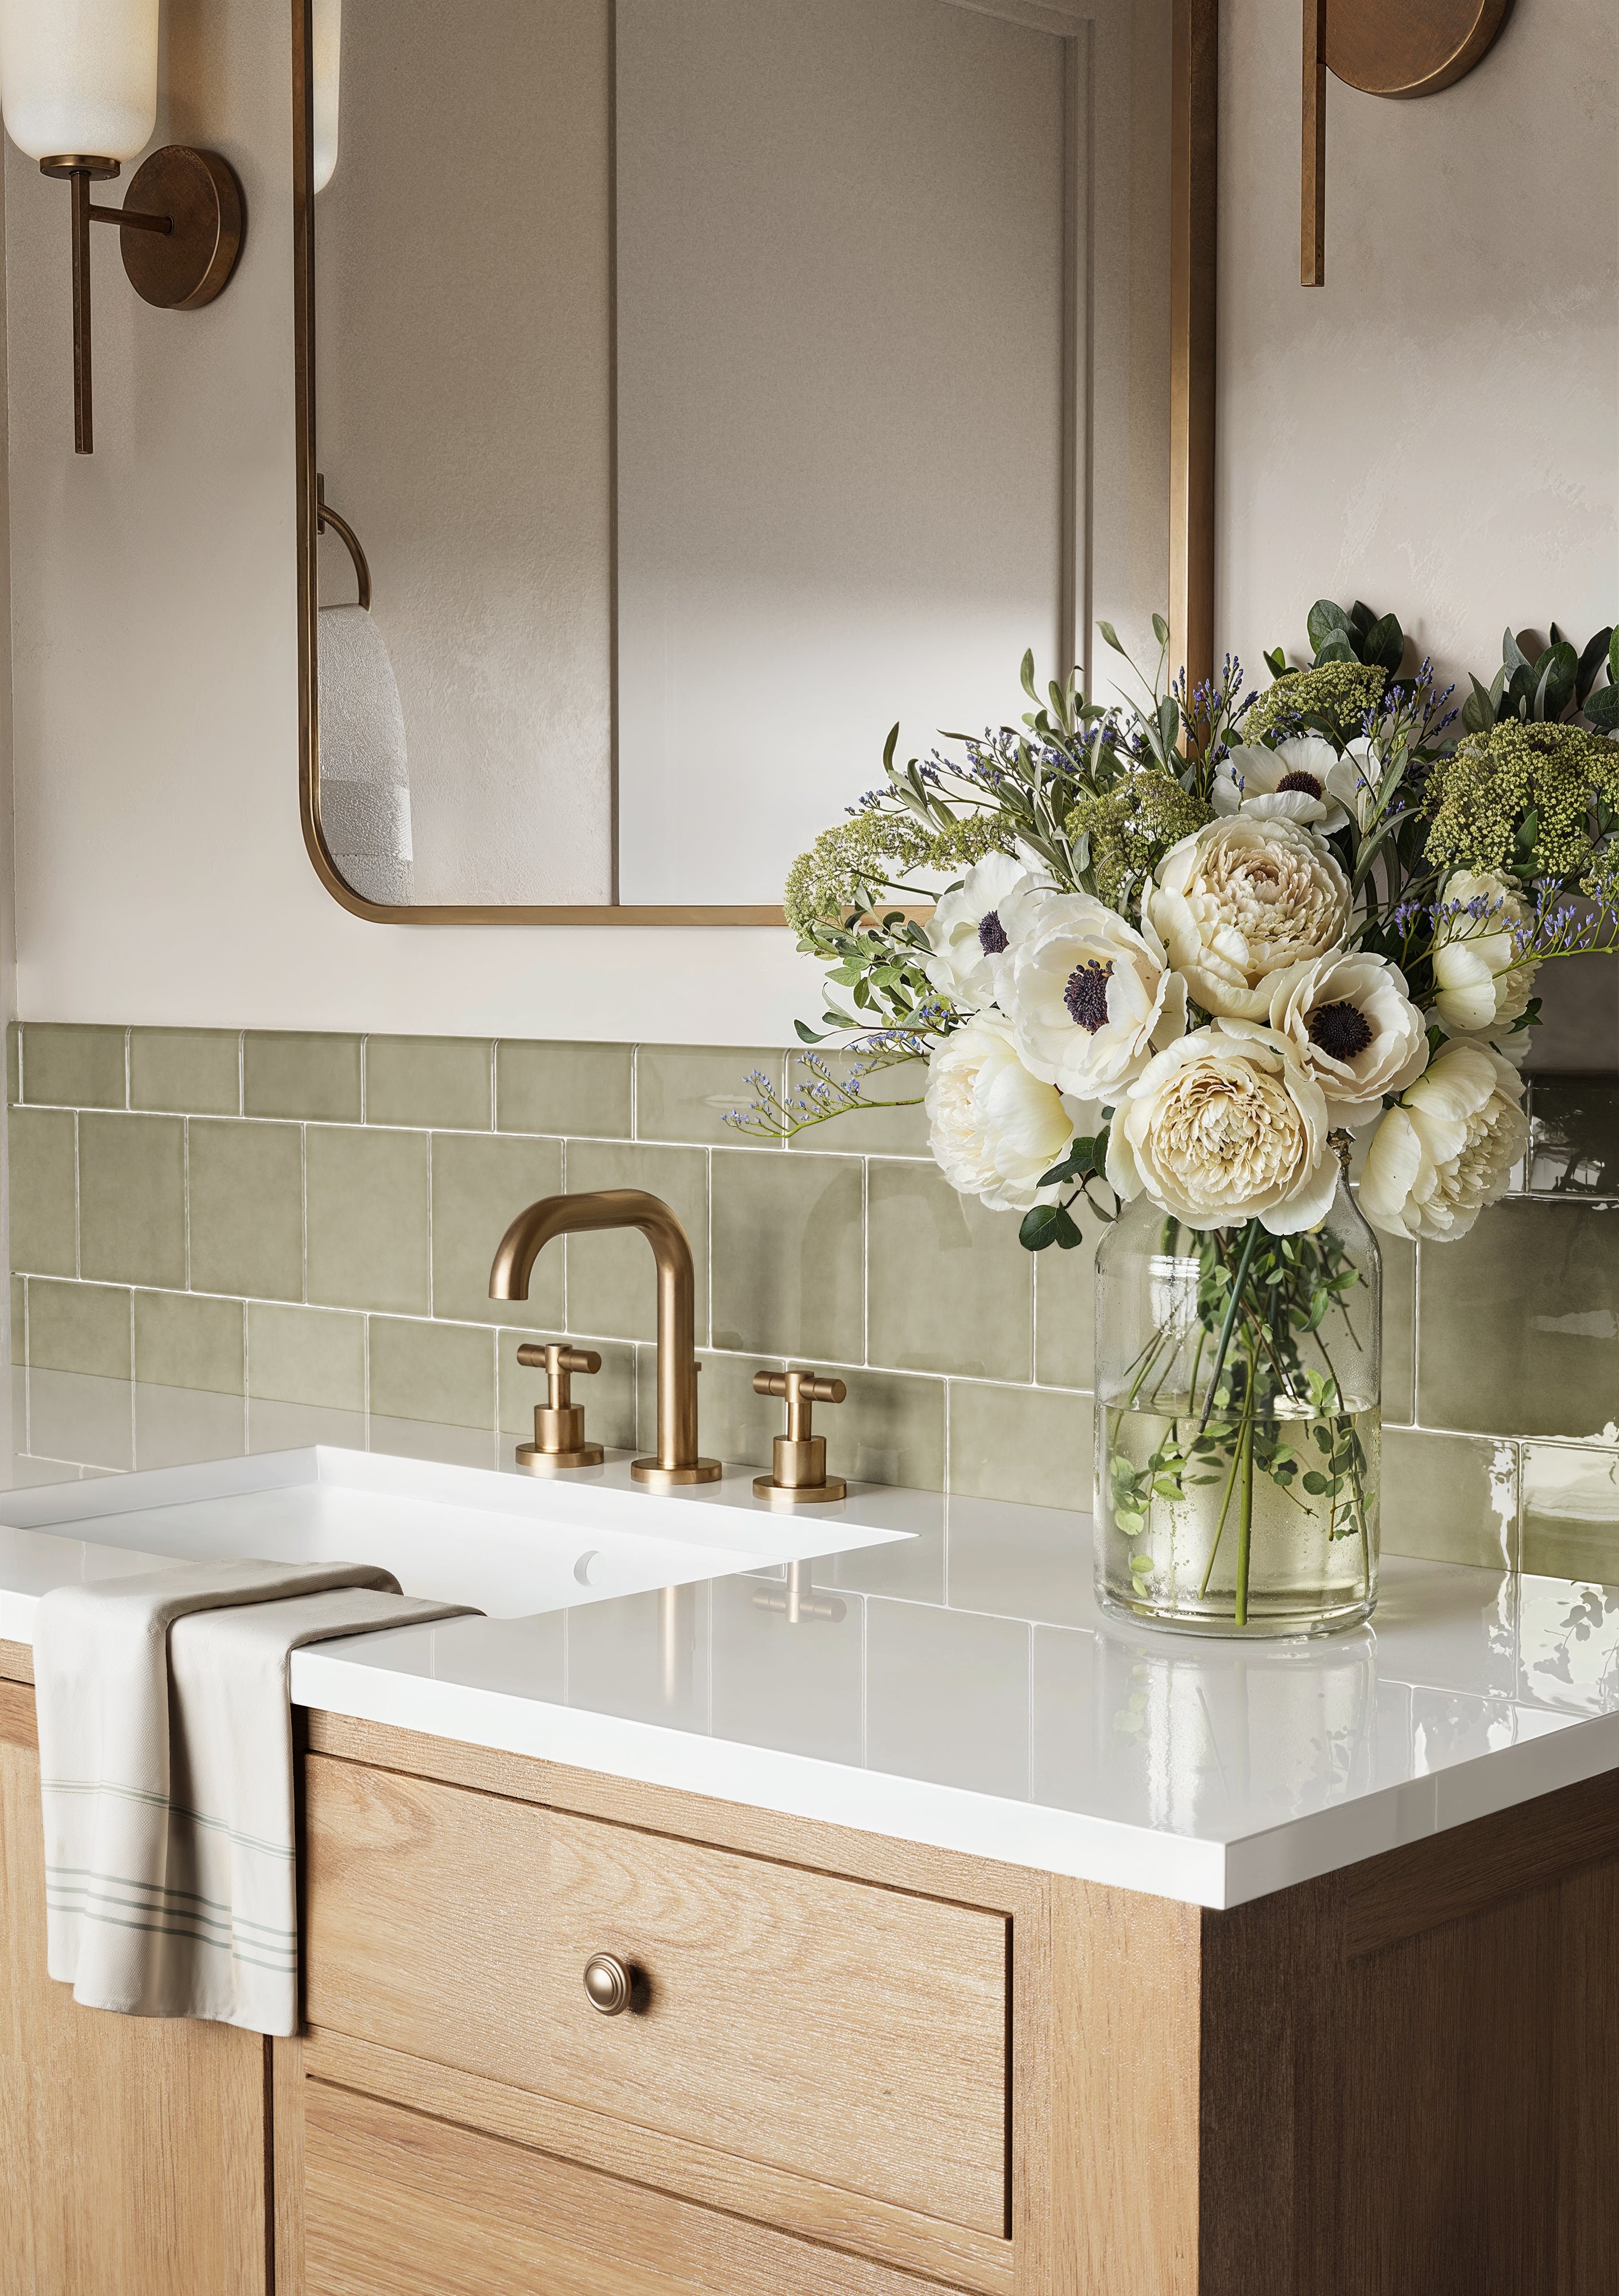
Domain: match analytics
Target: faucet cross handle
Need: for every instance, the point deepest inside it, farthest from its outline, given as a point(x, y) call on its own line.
point(799, 1476)
point(559, 1423)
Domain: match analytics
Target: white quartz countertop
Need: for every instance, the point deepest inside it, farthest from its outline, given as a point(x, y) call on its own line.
point(954, 1684)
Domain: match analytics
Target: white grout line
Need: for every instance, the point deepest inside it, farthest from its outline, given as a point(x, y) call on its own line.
point(129, 1056)
point(242, 1071)
point(303, 1213)
point(78, 1223)
point(185, 1193)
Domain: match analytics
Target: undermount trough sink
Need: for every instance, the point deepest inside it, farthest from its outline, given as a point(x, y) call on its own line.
point(510, 1546)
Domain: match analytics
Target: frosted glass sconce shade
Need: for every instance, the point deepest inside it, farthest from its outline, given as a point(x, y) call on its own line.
point(326, 24)
point(79, 76)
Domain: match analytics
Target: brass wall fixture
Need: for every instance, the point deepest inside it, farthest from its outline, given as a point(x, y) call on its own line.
point(799, 1476)
point(677, 1461)
point(1384, 47)
point(559, 1423)
point(325, 517)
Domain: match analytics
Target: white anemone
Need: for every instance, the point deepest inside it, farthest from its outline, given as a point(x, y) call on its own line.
point(1302, 779)
point(1446, 1150)
point(1090, 998)
point(968, 934)
point(993, 1128)
point(1351, 1024)
point(1240, 898)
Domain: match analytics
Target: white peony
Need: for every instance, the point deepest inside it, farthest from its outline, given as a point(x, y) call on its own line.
point(1302, 779)
point(1445, 1152)
point(1350, 1023)
point(1090, 998)
point(1220, 1129)
point(968, 933)
point(1240, 898)
point(993, 1128)
point(1483, 986)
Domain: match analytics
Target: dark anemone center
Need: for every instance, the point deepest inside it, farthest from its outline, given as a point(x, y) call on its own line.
point(991, 934)
point(1308, 782)
point(1341, 1030)
point(1086, 996)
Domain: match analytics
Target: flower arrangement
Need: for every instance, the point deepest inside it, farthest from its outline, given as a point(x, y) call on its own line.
point(1181, 950)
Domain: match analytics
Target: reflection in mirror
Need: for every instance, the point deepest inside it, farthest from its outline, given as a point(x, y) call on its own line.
point(756, 409)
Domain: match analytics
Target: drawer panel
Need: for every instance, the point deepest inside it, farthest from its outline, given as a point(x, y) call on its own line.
point(832, 2029)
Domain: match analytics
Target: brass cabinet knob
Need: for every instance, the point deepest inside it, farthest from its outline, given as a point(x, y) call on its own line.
point(607, 1984)
point(799, 1472)
point(559, 1423)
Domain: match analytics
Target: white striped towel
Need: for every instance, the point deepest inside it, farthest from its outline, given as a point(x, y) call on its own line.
point(166, 1767)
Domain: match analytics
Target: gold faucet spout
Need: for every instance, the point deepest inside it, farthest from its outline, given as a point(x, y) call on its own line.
point(677, 1461)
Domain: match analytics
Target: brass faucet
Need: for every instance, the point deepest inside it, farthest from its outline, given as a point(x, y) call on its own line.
point(677, 1460)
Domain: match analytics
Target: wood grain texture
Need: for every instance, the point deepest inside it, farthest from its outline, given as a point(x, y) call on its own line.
point(854, 2035)
point(402, 2205)
point(897, 2236)
point(287, 2072)
point(132, 2150)
point(16, 1662)
point(17, 1726)
point(1312, 190)
point(1193, 200)
point(1126, 2057)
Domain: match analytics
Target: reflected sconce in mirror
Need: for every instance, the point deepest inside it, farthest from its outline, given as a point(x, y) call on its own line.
point(1384, 47)
point(79, 87)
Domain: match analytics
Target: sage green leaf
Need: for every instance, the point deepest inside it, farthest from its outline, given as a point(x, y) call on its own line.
point(1591, 663)
point(1602, 709)
point(1110, 636)
point(1326, 619)
point(1384, 644)
point(1161, 629)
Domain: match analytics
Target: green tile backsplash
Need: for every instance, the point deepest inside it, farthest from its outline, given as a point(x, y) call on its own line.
point(311, 1217)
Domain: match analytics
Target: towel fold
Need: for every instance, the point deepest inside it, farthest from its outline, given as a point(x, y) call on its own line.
point(166, 1770)
point(365, 771)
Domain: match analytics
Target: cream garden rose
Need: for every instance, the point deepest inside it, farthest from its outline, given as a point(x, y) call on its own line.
point(1221, 1129)
point(1351, 1024)
point(968, 934)
point(1446, 1151)
point(1090, 998)
point(1482, 987)
point(1240, 899)
point(993, 1128)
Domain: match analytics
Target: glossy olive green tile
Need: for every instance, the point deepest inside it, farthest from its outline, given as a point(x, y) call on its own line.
point(1573, 1146)
point(193, 1072)
point(480, 1186)
point(608, 1395)
point(889, 1429)
point(78, 1327)
point(949, 1288)
point(314, 1356)
point(73, 1068)
point(1398, 1329)
point(1571, 1511)
point(174, 1426)
point(611, 1288)
point(439, 1371)
point(1519, 1322)
point(14, 1062)
point(787, 1254)
point(1065, 1313)
point(247, 1209)
point(183, 1341)
point(684, 1092)
point(43, 1190)
point(19, 1321)
point(1451, 1498)
point(131, 1199)
point(429, 1080)
point(366, 1195)
point(733, 1422)
point(287, 1073)
point(85, 1418)
point(889, 1119)
point(1027, 1444)
point(583, 1090)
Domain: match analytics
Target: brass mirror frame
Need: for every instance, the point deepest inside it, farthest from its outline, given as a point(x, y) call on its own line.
point(1193, 195)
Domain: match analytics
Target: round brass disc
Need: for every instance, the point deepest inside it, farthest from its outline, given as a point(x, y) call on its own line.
point(533, 1461)
point(766, 1487)
point(181, 269)
point(80, 163)
point(1389, 47)
point(670, 1479)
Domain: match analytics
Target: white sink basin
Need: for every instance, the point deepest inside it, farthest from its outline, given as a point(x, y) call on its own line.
point(510, 1545)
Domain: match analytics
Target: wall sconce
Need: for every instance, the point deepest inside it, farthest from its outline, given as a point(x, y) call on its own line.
point(326, 51)
point(79, 87)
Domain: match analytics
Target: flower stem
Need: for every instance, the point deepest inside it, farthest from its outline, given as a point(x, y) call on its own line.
point(1244, 1525)
point(1249, 1245)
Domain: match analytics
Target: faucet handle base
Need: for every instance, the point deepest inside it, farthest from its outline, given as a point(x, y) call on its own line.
point(766, 1487)
point(535, 1461)
point(670, 1479)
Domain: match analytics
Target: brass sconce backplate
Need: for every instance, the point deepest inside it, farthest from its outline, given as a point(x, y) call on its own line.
point(187, 266)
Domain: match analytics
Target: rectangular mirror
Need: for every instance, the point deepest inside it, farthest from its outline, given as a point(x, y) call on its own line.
point(689, 388)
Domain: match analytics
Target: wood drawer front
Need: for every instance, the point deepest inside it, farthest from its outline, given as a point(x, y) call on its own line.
point(836, 2029)
point(399, 2204)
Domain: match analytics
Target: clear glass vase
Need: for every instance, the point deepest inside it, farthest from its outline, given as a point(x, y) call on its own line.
point(1238, 1432)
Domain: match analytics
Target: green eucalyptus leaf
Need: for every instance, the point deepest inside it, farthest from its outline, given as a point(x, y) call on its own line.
point(1039, 1227)
point(1362, 620)
point(1161, 629)
point(1276, 663)
point(1110, 636)
point(889, 747)
point(1326, 619)
point(1338, 648)
point(1513, 656)
point(1602, 709)
point(1478, 710)
point(1026, 676)
point(1384, 644)
point(1591, 663)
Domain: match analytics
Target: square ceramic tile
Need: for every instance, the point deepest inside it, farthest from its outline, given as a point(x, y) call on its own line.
point(290, 1072)
point(314, 1356)
point(431, 1081)
point(1451, 1498)
point(367, 1220)
point(1574, 1147)
point(947, 1697)
point(183, 1341)
point(131, 1199)
point(1031, 1445)
point(1065, 1313)
point(949, 1288)
point(72, 1067)
point(574, 1089)
point(246, 1209)
point(173, 1426)
point(1519, 1322)
point(608, 1395)
point(86, 1419)
point(82, 1327)
point(1571, 1511)
point(276, 1426)
point(17, 1352)
point(438, 1372)
point(788, 1251)
point(733, 1423)
point(480, 1186)
point(611, 1278)
point(889, 1429)
point(684, 1092)
point(890, 1120)
point(43, 1190)
point(186, 1071)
